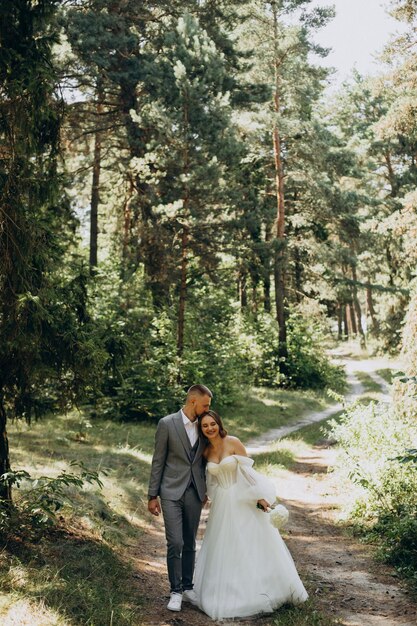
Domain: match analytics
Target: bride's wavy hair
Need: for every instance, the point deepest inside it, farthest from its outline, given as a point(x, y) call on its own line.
point(217, 419)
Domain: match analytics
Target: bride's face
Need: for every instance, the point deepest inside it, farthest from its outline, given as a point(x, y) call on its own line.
point(209, 427)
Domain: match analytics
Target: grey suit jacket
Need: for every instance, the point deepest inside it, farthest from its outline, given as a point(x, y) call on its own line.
point(172, 464)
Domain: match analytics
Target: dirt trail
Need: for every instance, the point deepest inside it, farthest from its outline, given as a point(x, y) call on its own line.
point(338, 570)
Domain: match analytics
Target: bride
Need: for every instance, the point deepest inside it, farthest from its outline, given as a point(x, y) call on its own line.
point(244, 567)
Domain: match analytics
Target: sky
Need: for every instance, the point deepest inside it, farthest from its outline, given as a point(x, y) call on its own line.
point(359, 31)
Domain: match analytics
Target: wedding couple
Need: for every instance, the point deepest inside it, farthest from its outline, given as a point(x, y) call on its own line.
point(243, 567)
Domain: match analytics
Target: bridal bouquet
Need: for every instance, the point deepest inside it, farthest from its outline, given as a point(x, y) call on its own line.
point(278, 516)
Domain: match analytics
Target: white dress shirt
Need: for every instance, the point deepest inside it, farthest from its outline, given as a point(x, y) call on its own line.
point(190, 428)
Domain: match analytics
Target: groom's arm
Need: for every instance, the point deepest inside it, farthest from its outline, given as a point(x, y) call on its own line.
point(158, 459)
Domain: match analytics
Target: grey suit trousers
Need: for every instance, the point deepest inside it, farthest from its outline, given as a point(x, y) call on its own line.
point(181, 519)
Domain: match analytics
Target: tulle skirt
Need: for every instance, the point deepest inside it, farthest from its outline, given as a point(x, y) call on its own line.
point(244, 567)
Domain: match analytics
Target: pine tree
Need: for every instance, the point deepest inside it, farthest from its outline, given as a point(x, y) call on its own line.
point(43, 306)
point(197, 144)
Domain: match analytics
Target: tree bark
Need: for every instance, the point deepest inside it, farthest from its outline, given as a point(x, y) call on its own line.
point(357, 308)
point(127, 222)
point(279, 260)
point(5, 490)
point(371, 309)
point(345, 322)
point(183, 290)
point(352, 318)
point(339, 321)
point(95, 187)
point(184, 243)
point(266, 276)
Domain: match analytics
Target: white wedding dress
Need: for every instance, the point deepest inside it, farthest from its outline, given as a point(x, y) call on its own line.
point(244, 567)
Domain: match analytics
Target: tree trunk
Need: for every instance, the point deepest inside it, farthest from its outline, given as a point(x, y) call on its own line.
point(95, 188)
point(390, 262)
point(279, 261)
point(142, 216)
point(352, 318)
point(349, 320)
point(184, 248)
point(339, 321)
point(266, 276)
point(357, 306)
point(127, 222)
point(371, 309)
point(183, 290)
point(345, 322)
point(5, 490)
point(280, 304)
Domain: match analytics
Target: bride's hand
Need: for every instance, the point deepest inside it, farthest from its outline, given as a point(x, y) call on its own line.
point(263, 504)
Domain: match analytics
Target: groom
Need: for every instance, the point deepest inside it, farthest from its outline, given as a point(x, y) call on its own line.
point(177, 476)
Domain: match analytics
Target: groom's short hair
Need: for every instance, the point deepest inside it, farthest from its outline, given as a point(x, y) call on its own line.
point(199, 390)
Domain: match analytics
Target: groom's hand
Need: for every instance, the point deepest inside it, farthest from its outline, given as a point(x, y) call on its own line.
point(154, 506)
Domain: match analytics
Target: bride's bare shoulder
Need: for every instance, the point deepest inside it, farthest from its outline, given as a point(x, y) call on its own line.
point(236, 446)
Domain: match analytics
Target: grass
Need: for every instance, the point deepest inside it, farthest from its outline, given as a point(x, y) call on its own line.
point(264, 409)
point(313, 433)
point(78, 578)
point(387, 374)
point(282, 454)
point(304, 615)
point(370, 385)
point(80, 574)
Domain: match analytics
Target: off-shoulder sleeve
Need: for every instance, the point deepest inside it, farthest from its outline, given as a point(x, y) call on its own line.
point(253, 486)
point(211, 485)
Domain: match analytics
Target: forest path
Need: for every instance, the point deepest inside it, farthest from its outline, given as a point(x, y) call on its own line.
point(337, 569)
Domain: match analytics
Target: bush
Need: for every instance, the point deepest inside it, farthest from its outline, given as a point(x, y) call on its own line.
point(224, 348)
point(307, 366)
point(144, 378)
point(374, 440)
point(36, 508)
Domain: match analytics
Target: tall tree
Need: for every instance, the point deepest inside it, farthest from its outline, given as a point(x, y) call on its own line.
point(282, 51)
point(41, 311)
point(198, 144)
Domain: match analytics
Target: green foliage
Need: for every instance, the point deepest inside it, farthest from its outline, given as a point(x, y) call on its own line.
point(38, 506)
point(308, 366)
point(142, 370)
point(213, 349)
point(47, 356)
point(378, 459)
point(259, 346)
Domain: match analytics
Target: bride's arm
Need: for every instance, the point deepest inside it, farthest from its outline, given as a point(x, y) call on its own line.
point(256, 486)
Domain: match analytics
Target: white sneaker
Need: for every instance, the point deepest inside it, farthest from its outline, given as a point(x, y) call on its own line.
point(190, 595)
point(175, 602)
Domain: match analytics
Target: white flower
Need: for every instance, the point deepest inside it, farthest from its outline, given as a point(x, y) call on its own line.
point(278, 516)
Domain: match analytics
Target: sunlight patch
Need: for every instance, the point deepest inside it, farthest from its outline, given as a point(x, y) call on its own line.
point(24, 612)
point(137, 453)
